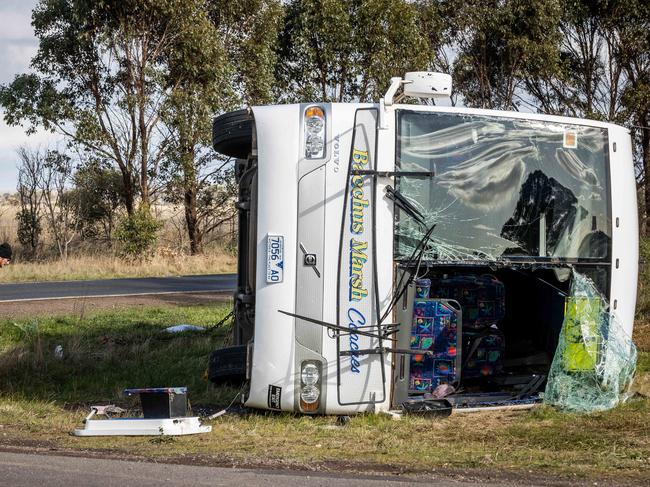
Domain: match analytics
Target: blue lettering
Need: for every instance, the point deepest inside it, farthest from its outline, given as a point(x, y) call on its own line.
point(355, 320)
point(359, 318)
point(354, 367)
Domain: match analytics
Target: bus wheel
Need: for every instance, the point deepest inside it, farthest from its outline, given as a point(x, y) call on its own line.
point(232, 134)
point(228, 365)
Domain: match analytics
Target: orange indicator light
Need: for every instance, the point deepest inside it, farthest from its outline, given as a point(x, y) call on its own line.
point(314, 112)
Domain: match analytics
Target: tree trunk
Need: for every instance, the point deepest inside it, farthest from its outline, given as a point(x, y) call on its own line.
point(129, 194)
point(645, 154)
point(144, 182)
point(190, 191)
point(191, 220)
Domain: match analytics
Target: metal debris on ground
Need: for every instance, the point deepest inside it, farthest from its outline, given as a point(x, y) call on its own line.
point(164, 409)
point(106, 410)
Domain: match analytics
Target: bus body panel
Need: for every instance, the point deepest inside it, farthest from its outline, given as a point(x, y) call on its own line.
point(625, 228)
point(273, 350)
point(281, 342)
point(278, 348)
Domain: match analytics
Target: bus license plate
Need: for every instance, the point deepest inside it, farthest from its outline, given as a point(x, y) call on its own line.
point(274, 258)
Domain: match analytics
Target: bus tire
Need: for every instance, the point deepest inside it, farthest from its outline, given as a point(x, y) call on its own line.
point(228, 365)
point(232, 134)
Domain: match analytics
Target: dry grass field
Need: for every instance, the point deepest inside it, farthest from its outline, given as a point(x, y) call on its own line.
point(99, 261)
point(7, 221)
point(107, 267)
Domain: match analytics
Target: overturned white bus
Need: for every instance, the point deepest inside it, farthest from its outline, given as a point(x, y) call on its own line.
point(392, 254)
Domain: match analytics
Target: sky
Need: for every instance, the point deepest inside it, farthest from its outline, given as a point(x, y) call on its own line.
point(17, 46)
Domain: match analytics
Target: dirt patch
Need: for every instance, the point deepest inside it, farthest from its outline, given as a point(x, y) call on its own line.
point(78, 306)
point(642, 335)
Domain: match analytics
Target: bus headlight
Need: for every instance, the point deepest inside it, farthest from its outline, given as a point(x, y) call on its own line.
point(314, 133)
point(309, 394)
point(310, 374)
point(310, 385)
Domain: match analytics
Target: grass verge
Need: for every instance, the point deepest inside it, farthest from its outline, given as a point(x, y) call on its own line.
point(104, 352)
point(42, 398)
point(107, 267)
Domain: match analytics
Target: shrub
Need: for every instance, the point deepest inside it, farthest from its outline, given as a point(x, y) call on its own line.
point(29, 230)
point(138, 233)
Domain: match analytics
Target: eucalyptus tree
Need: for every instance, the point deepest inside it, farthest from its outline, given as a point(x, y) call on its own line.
point(98, 79)
point(97, 190)
point(249, 31)
point(634, 54)
point(222, 58)
point(501, 43)
point(589, 78)
point(198, 76)
point(343, 50)
point(437, 22)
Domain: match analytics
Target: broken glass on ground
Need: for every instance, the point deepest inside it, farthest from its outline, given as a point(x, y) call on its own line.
point(595, 361)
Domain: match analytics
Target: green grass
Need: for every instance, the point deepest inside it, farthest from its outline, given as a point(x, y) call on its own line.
point(643, 290)
point(543, 442)
point(643, 362)
point(42, 398)
point(105, 352)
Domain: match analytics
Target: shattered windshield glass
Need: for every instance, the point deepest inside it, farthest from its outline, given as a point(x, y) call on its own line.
point(503, 188)
point(595, 361)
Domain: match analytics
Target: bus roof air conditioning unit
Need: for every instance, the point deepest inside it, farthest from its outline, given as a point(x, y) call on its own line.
point(419, 84)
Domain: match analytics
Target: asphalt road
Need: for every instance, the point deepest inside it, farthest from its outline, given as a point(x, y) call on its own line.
point(27, 470)
point(117, 287)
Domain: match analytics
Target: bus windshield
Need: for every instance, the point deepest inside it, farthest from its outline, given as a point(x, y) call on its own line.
point(503, 188)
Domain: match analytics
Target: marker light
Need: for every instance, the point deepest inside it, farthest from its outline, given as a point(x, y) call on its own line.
point(314, 133)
